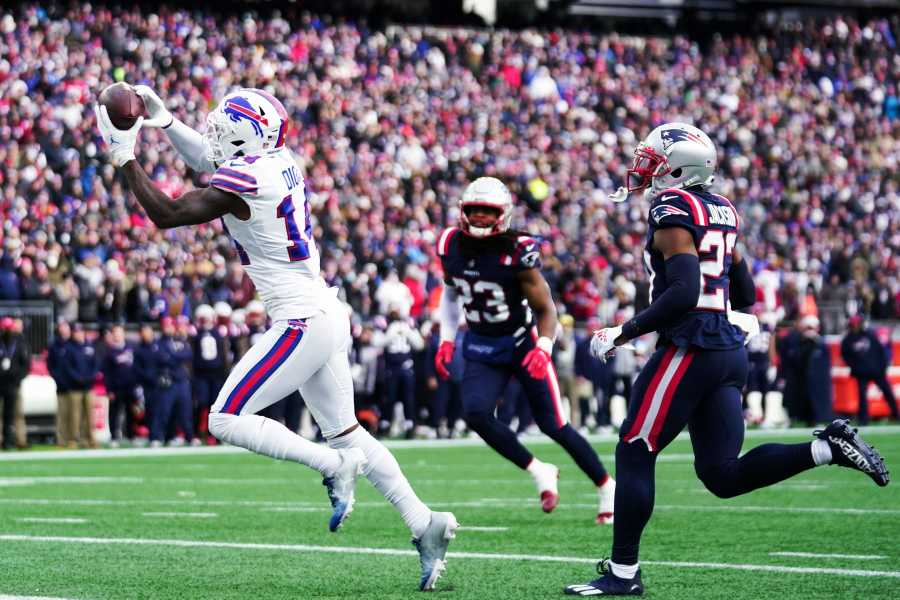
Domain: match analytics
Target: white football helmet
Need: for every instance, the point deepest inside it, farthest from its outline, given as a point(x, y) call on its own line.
point(246, 122)
point(490, 192)
point(674, 155)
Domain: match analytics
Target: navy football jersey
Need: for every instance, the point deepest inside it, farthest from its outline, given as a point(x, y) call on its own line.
point(484, 273)
point(714, 224)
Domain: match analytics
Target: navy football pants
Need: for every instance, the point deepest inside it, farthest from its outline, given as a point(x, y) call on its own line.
point(482, 387)
point(700, 389)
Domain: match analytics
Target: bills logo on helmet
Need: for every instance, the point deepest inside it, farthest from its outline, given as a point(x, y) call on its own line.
point(670, 136)
point(238, 108)
point(658, 213)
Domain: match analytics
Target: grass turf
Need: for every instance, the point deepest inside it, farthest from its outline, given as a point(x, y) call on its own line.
point(260, 501)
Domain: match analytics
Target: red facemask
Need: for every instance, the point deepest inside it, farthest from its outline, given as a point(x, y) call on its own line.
point(645, 167)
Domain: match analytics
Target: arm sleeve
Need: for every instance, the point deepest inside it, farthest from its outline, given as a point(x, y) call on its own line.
point(741, 290)
point(189, 144)
point(449, 314)
point(683, 275)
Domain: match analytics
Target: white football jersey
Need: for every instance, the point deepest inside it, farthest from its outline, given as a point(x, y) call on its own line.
point(275, 244)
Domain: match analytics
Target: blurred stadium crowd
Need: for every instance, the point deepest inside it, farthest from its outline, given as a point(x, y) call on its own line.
point(390, 125)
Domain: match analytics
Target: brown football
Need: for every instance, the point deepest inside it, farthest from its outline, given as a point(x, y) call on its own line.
point(122, 104)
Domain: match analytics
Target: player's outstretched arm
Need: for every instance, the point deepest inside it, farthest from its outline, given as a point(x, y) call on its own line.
point(198, 206)
point(186, 141)
point(192, 208)
point(683, 275)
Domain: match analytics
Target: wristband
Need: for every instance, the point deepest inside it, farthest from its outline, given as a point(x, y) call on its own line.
point(545, 344)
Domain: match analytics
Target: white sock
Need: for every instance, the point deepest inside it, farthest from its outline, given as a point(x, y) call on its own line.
point(821, 452)
point(538, 468)
point(624, 571)
point(385, 474)
point(545, 475)
point(265, 436)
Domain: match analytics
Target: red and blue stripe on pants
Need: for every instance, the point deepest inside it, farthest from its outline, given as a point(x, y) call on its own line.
point(263, 370)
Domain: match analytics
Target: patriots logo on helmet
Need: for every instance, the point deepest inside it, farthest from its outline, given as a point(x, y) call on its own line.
point(670, 136)
point(658, 213)
point(238, 108)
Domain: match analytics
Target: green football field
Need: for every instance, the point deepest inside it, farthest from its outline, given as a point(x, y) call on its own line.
point(224, 524)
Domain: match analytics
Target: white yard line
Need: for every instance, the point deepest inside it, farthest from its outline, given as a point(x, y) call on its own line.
point(29, 480)
point(842, 556)
point(175, 515)
point(257, 481)
point(72, 520)
point(4, 597)
point(782, 509)
point(295, 509)
point(483, 503)
point(480, 528)
point(456, 555)
point(394, 444)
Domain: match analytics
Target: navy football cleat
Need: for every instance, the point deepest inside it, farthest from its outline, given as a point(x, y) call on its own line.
point(849, 450)
point(432, 547)
point(608, 584)
point(342, 484)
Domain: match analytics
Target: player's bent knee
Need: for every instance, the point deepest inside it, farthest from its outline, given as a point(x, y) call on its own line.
point(219, 425)
point(634, 454)
point(476, 420)
point(549, 426)
point(721, 480)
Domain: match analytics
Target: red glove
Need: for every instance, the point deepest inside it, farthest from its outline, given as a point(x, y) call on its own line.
point(537, 361)
point(443, 358)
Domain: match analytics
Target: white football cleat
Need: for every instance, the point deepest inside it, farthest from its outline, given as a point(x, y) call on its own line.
point(342, 485)
point(432, 547)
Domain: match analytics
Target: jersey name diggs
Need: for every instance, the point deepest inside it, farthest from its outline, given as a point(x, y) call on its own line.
point(721, 215)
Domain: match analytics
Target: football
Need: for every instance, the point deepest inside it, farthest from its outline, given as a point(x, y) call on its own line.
point(123, 105)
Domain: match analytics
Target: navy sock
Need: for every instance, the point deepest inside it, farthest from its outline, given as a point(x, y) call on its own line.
point(635, 489)
point(581, 452)
point(499, 437)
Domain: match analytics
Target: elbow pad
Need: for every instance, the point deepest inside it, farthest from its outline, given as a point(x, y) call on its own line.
point(681, 295)
point(741, 289)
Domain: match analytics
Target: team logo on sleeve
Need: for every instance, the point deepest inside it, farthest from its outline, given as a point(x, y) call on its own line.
point(660, 212)
point(531, 259)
